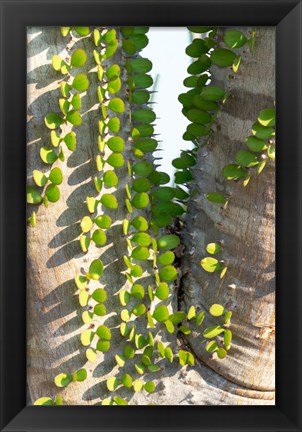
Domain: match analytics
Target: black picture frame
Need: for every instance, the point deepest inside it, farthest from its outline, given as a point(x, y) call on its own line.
point(15, 16)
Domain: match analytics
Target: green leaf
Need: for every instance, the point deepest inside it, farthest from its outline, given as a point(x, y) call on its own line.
point(149, 386)
point(82, 31)
point(128, 351)
point(141, 185)
point(166, 258)
point(62, 380)
point(137, 291)
point(44, 401)
point(80, 282)
point(120, 360)
point(53, 193)
point(212, 93)
point(137, 385)
point(96, 269)
point(198, 116)
point(86, 224)
point(222, 57)
point(103, 333)
point(233, 172)
point(168, 241)
point(57, 62)
point(99, 295)
point(78, 58)
point(227, 337)
point(126, 380)
point(144, 115)
point(212, 332)
point(97, 37)
point(55, 138)
point(212, 346)
point(196, 130)
point(162, 291)
point(110, 36)
point(53, 120)
point(125, 315)
point(92, 204)
point(33, 196)
point(120, 401)
point(103, 221)
point(110, 178)
point(169, 354)
point(124, 297)
point(39, 178)
point(136, 271)
point(116, 160)
point(91, 355)
point(87, 317)
point(56, 176)
point(271, 151)
point(80, 82)
point(113, 383)
point(216, 197)
point(140, 341)
point(210, 264)
point(221, 353)
point(70, 140)
point(140, 200)
point(74, 117)
point(114, 124)
point(139, 65)
point(213, 248)
point(200, 29)
point(140, 223)
point(142, 81)
point(48, 155)
point(196, 48)
point(143, 168)
point(114, 85)
point(200, 318)
point(161, 313)
point(234, 39)
point(191, 313)
point(109, 201)
point(99, 310)
point(116, 144)
point(117, 105)
point(177, 317)
point(76, 101)
point(168, 273)
point(103, 346)
point(216, 310)
point(99, 237)
point(83, 298)
point(146, 145)
point(255, 144)
point(266, 117)
point(111, 49)
point(262, 132)
point(65, 89)
point(32, 220)
point(139, 310)
point(185, 330)
point(80, 375)
point(140, 97)
point(140, 253)
point(246, 158)
point(87, 337)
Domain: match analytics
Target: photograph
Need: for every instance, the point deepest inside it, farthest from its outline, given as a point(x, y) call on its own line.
point(150, 215)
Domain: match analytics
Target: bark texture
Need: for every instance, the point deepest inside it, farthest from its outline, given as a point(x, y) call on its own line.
point(54, 319)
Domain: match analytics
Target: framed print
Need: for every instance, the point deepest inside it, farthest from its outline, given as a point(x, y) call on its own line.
point(140, 270)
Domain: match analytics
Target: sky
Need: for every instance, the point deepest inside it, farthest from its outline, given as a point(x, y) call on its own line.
point(166, 50)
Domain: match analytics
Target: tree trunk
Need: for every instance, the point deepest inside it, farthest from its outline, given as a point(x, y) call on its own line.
point(54, 322)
